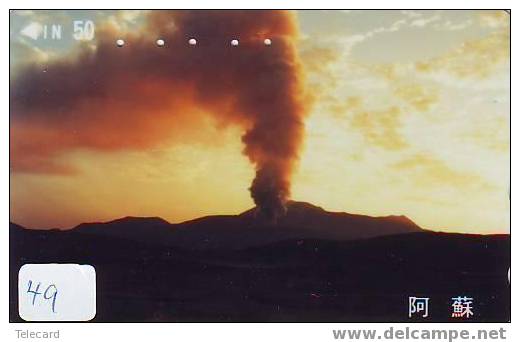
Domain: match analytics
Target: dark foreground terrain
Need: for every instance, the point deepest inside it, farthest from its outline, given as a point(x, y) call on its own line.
point(311, 266)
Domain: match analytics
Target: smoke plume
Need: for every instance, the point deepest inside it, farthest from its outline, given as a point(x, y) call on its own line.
point(140, 95)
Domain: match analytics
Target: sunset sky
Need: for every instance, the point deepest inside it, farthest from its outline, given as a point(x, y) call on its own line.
point(408, 115)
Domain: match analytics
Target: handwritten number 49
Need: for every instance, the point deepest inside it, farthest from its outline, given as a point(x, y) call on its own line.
point(50, 293)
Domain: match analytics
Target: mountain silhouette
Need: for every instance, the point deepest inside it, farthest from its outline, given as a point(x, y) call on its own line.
point(311, 265)
point(301, 221)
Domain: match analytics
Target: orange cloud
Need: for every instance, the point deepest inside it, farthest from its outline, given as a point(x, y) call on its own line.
point(419, 97)
point(380, 128)
point(426, 170)
point(493, 134)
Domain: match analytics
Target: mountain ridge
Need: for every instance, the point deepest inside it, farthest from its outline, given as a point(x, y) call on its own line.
point(302, 220)
point(249, 213)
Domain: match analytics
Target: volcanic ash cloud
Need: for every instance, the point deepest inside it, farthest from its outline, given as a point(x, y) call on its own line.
point(140, 95)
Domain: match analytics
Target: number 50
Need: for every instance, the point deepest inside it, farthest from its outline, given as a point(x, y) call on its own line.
point(83, 30)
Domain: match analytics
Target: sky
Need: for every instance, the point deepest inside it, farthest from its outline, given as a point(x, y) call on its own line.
point(408, 114)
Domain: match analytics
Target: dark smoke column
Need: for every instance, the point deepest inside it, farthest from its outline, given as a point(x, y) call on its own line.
point(272, 144)
point(273, 141)
point(266, 83)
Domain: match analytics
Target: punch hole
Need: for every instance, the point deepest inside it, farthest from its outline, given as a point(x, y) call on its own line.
point(120, 43)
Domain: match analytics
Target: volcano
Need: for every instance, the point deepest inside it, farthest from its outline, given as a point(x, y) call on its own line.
point(311, 265)
point(301, 221)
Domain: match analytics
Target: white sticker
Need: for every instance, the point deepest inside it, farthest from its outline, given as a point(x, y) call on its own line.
point(57, 292)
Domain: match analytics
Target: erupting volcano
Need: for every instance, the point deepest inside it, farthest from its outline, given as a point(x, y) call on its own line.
point(142, 102)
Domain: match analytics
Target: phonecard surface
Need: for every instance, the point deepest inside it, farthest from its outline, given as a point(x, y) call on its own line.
point(259, 166)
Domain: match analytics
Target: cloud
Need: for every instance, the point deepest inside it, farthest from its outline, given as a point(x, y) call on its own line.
point(494, 19)
point(356, 39)
point(344, 108)
point(25, 53)
point(405, 87)
point(427, 170)
point(380, 128)
point(411, 20)
point(491, 134)
point(477, 58)
point(438, 20)
point(317, 58)
point(449, 25)
point(411, 14)
point(126, 20)
point(418, 96)
point(424, 21)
